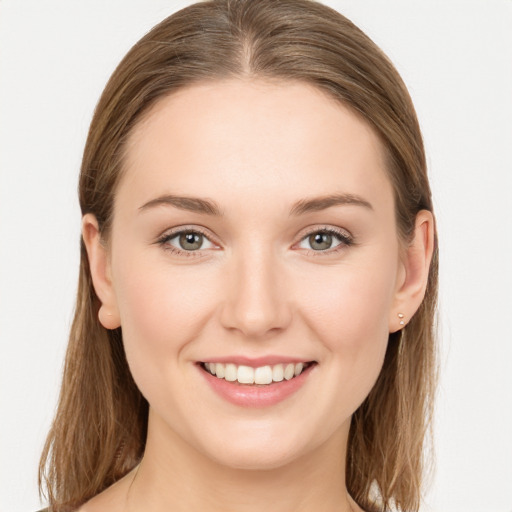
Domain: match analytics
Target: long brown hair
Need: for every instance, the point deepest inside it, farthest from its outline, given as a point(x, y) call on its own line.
point(99, 431)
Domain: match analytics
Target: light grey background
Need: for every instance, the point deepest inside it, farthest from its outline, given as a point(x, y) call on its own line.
point(456, 58)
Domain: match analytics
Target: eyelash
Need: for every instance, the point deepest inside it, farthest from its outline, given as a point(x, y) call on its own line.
point(165, 238)
point(344, 238)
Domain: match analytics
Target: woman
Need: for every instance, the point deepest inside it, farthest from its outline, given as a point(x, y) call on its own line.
point(254, 322)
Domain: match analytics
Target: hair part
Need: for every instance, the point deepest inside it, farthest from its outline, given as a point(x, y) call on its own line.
point(99, 431)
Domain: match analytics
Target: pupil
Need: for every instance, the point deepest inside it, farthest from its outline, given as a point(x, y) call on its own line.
point(191, 241)
point(320, 241)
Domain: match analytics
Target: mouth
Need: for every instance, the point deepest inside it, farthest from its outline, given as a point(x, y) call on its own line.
point(259, 376)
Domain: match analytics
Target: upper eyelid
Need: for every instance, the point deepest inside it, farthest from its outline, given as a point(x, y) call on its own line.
point(172, 232)
point(326, 227)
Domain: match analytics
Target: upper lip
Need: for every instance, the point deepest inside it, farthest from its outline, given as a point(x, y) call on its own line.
point(256, 362)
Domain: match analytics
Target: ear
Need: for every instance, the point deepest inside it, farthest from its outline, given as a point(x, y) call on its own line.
point(99, 264)
point(413, 275)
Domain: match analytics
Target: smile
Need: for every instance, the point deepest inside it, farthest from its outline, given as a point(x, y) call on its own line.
point(249, 385)
point(262, 375)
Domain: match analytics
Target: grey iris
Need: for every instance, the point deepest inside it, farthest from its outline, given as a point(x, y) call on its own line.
point(191, 241)
point(320, 241)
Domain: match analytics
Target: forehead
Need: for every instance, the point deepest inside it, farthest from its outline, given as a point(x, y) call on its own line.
point(254, 139)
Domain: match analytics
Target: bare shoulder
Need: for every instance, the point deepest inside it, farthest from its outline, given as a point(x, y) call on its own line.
point(112, 499)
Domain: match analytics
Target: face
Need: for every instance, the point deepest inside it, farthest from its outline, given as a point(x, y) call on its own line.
point(254, 237)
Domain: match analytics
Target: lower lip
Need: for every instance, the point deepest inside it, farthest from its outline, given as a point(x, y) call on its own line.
point(256, 395)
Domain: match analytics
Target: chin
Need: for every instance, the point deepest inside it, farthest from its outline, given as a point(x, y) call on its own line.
point(260, 447)
point(254, 458)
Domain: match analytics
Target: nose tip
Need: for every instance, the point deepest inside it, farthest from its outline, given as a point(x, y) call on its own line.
point(256, 303)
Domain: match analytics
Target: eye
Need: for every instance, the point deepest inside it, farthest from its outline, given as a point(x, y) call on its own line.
point(324, 240)
point(189, 241)
point(186, 241)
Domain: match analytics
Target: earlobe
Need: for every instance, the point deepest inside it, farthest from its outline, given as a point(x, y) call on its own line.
point(415, 271)
point(99, 265)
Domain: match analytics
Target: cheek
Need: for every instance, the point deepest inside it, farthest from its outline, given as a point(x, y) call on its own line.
point(350, 319)
point(352, 308)
point(162, 309)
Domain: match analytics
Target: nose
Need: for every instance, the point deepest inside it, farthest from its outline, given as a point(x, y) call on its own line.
point(257, 301)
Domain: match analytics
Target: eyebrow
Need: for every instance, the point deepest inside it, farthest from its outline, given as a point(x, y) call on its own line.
point(316, 204)
point(192, 204)
point(208, 207)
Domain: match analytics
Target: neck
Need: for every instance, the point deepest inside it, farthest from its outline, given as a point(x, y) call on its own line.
point(175, 476)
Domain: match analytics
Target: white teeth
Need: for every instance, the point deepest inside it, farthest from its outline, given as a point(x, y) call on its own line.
point(289, 371)
point(231, 373)
point(261, 375)
point(278, 373)
point(220, 370)
point(245, 375)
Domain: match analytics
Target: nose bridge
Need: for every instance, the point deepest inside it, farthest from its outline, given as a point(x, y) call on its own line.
point(256, 302)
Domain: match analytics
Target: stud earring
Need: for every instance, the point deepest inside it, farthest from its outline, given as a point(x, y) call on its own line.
point(108, 319)
point(401, 316)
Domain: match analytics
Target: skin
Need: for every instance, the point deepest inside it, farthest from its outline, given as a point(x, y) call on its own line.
point(256, 287)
